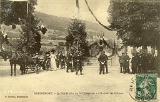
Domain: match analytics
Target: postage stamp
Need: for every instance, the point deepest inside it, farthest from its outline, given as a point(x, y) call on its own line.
point(146, 87)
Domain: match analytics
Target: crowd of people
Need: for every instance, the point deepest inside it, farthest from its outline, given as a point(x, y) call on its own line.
point(70, 62)
point(140, 63)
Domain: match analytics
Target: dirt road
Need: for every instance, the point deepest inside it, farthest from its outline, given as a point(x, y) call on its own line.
point(59, 86)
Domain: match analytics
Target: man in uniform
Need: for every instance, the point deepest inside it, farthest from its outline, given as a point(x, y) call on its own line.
point(57, 60)
point(121, 62)
point(102, 60)
point(126, 63)
point(135, 63)
point(69, 62)
point(79, 63)
point(143, 62)
point(46, 64)
point(62, 59)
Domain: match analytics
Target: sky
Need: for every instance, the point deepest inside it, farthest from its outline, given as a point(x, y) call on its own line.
point(67, 8)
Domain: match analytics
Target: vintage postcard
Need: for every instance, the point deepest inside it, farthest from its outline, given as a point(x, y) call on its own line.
point(79, 50)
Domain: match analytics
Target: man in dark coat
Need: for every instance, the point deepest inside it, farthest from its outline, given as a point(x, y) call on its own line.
point(126, 63)
point(143, 62)
point(69, 61)
point(63, 60)
point(74, 62)
point(57, 60)
point(121, 62)
point(79, 63)
point(102, 60)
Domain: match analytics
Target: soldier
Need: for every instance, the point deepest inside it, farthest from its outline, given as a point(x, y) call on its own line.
point(140, 64)
point(46, 61)
point(102, 59)
point(149, 65)
point(79, 63)
point(121, 62)
point(57, 60)
point(126, 63)
point(62, 59)
point(135, 63)
point(143, 62)
point(74, 62)
point(69, 62)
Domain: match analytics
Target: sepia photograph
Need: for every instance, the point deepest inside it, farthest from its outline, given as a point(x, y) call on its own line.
point(80, 50)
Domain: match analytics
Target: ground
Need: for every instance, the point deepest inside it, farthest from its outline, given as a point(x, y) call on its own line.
point(66, 87)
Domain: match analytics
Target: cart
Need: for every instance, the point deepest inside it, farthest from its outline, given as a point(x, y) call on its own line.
point(35, 66)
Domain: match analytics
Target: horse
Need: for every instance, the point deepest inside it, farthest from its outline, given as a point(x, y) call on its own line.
point(15, 58)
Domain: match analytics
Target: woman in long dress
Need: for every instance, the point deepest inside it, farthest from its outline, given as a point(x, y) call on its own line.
point(53, 61)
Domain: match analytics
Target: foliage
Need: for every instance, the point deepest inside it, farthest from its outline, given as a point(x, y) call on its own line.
point(77, 36)
point(17, 13)
point(11, 11)
point(137, 22)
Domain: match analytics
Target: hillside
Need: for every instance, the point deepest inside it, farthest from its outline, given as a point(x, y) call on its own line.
point(57, 28)
point(59, 25)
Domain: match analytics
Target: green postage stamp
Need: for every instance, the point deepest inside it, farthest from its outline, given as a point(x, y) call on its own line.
point(146, 87)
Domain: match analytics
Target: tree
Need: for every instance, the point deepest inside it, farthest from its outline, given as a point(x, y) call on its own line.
point(137, 23)
point(77, 36)
point(17, 13)
point(11, 11)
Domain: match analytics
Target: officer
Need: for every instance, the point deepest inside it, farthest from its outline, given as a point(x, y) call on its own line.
point(133, 64)
point(69, 62)
point(149, 62)
point(143, 62)
point(63, 60)
point(46, 64)
point(79, 63)
point(126, 63)
point(136, 62)
point(121, 62)
point(102, 60)
point(57, 60)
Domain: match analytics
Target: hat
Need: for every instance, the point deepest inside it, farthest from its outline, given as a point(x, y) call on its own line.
point(53, 50)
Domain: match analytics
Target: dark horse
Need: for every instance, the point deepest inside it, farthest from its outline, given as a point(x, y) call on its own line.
point(15, 58)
